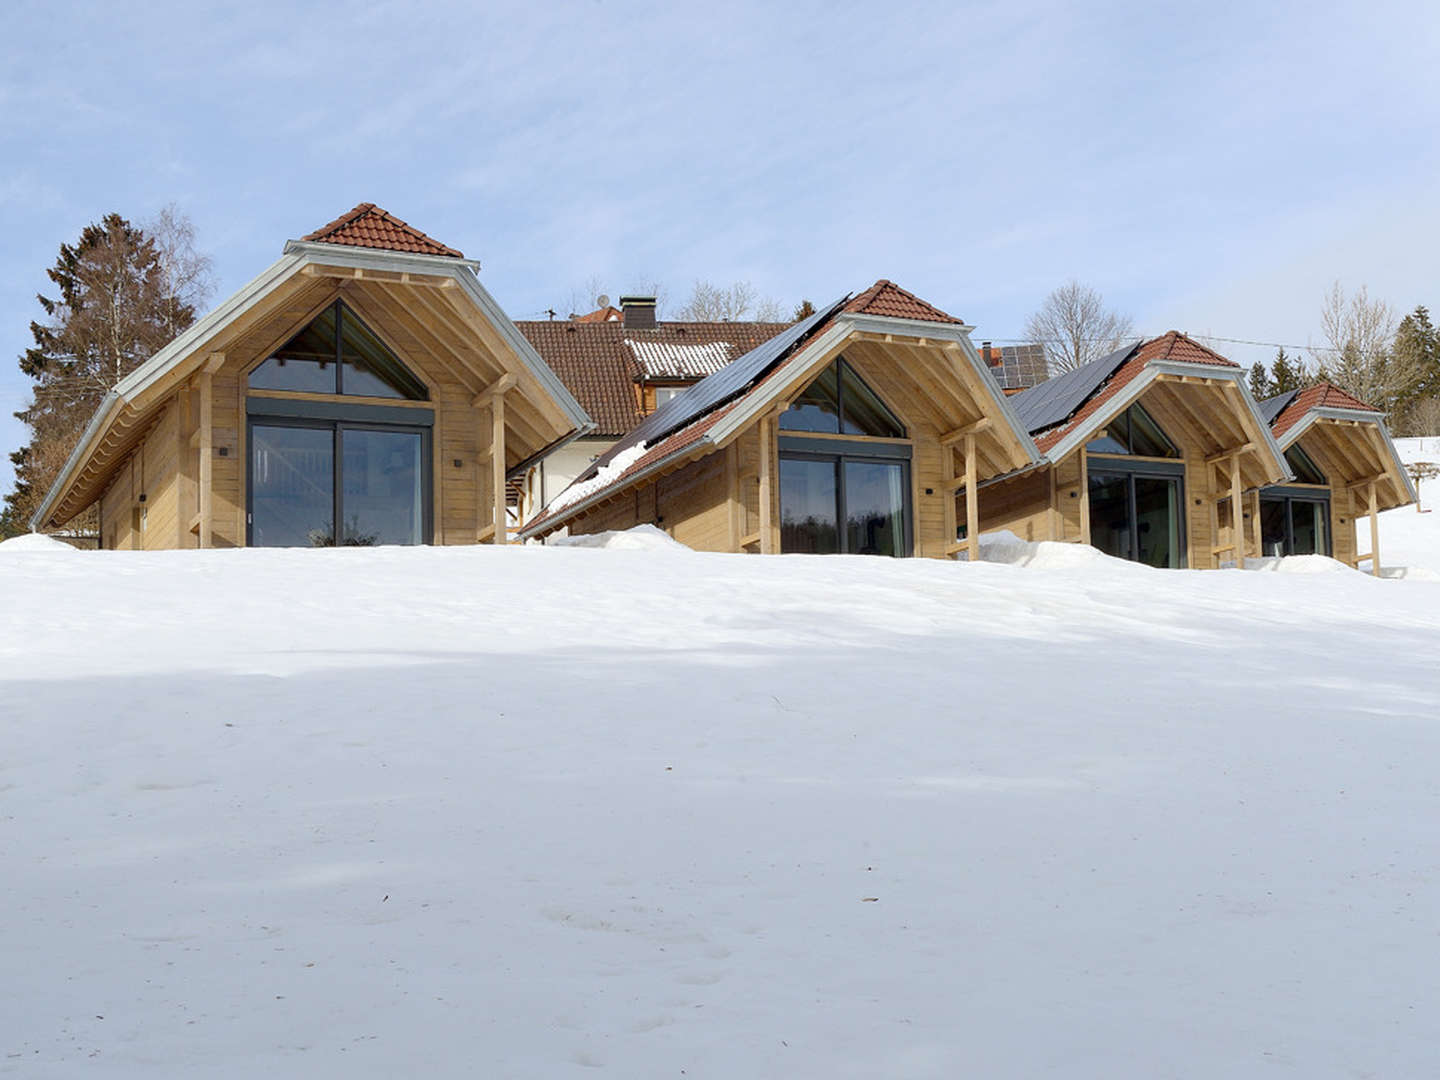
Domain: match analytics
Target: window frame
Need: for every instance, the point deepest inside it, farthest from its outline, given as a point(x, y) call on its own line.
point(362, 419)
point(800, 448)
point(1290, 495)
point(1128, 468)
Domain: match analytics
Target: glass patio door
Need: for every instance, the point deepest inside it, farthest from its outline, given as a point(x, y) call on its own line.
point(1136, 516)
point(839, 504)
point(307, 477)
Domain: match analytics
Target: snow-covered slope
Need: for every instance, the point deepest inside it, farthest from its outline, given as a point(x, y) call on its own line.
point(549, 812)
point(1407, 537)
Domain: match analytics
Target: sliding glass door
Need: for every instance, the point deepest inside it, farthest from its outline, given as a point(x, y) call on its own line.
point(837, 503)
point(1295, 522)
point(1136, 514)
point(319, 484)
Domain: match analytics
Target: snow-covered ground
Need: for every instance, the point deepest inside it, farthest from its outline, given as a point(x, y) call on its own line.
point(564, 812)
point(1408, 537)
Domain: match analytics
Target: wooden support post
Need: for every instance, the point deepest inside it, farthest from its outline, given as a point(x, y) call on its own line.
point(951, 526)
point(1374, 529)
point(767, 486)
point(497, 465)
point(1237, 513)
point(207, 448)
point(490, 444)
point(1084, 497)
point(1053, 517)
point(182, 453)
point(732, 495)
point(972, 502)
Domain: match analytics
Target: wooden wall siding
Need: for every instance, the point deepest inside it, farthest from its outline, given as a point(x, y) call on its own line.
point(1021, 505)
point(1202, 420)
point(450, 348)
point(1343, 525)
point(713, 502)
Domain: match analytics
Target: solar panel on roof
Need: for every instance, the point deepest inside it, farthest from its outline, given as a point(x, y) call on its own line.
point(1055, 399)
point(716, 389)
point(1270, 408)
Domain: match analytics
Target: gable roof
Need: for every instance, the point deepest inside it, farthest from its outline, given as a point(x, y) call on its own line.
point(1293, 406)
point(740, 388)
point(135, 399)
point(600, 361)
point(889, 300)
point(1054, 412)
point(368, 226)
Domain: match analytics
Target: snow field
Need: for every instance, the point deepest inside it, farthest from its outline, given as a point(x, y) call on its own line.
point(545, 812)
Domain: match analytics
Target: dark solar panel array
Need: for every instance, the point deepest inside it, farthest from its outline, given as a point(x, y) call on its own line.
point(1055, 399)
point(1270, 408)
point(715, 390)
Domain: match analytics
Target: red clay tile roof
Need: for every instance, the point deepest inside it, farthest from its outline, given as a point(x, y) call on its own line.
point(609, 313)
point(596, 365)
point(1319, 396)
point(887, 298)
point(368, 226)
point(1171, 346)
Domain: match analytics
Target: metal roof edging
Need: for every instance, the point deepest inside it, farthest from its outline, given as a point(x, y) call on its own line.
point(102, 416)
point(1331, 412)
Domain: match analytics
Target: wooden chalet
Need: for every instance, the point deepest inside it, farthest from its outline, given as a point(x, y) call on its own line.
point(851, 431)
point(1344, 466)
point(1148, 453)
point(363, 389)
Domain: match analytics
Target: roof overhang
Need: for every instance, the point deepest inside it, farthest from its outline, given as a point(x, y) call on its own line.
point(1363, 416)
point(177, 360)
point(1137, 386)
point(751, 406)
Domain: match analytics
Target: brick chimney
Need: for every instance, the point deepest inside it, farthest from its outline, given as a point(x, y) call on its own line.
point(637, 312)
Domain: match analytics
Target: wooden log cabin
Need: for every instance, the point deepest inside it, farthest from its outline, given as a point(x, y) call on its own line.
point(1147, 453)
point(364, 389)
point(1345, 467)
point(851, 431)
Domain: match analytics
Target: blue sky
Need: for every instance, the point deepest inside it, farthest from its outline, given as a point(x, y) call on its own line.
point(1210, 168)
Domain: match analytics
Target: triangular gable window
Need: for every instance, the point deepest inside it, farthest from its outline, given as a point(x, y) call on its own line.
point(838, 402)
point(1304, 467)
point(338, 354)
point(1134, 432)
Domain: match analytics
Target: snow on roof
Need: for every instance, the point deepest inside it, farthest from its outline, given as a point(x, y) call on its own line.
point(667, 360)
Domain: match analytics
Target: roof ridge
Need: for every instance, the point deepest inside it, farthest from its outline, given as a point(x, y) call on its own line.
point(896, 307)
point(388, 233)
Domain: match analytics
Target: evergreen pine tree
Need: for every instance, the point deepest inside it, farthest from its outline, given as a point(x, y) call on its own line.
point(116, 306)
point(1261, 386)
point(1286, 374)
point(1417, 342)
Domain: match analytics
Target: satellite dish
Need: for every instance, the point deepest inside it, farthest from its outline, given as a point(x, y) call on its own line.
point(602, 301)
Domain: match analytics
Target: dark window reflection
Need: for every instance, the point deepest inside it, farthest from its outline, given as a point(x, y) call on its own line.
point(808, 508)
point(292, 486)
point(874, 508)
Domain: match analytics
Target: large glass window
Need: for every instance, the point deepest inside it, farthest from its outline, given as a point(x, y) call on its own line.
point(819, 492)
point(297, 497)
point(809, 506)
point(1134, 432)
point(338, 354)
point(1293, 523)
point(1303, 466)
point(1136, 516)
point(838, 402)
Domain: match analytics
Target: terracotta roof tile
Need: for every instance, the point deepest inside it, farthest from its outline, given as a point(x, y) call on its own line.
point(595, 364)
point(368, 226)
point(888, 299)
point(1319, 396)
point(1171, 346)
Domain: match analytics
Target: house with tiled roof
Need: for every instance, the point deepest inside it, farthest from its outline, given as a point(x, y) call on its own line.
point(621, 369)
point(1344, 466)
point(363, 389)
point(1155, 453)
point(850, 431)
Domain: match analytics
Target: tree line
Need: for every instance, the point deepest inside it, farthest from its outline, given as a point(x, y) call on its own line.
point(1388, 362)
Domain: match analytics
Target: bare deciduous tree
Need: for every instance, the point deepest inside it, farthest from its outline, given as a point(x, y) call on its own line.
point(1075, 327)
point(1359, 356)
point(740, 302)
point(586, 297)
point(187, 276)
